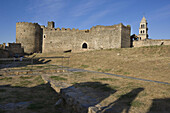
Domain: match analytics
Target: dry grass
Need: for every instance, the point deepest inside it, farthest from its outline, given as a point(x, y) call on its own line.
point(43, 97)
point(21, 81)
point(151, 63)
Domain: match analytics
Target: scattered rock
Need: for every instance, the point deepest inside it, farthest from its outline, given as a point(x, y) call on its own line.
point(118, 54)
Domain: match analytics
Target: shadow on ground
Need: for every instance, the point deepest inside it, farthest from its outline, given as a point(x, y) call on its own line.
point(96, 91)
point(123, 103)
point(86, 94)
point(42, 99)
point(160, 106)
point(39, 99)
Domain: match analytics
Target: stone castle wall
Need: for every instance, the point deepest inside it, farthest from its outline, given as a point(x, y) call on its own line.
point(36, 38)
point(125, 39)
point(15, 49)
point(30, 36)
point(150, 42)
point(98, 37)
point(4, 53)
point(11, 50)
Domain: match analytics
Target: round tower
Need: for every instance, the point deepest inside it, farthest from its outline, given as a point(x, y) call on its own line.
point(30, 36)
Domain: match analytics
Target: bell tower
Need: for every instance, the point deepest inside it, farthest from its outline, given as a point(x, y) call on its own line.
point(143, 29)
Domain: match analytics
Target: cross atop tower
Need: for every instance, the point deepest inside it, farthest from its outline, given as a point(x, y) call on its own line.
point(143, 29)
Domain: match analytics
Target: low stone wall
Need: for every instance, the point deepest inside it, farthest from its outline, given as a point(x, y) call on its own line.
point(4, 53)
point(80, 97)
point(142, 43)
point(11, 50)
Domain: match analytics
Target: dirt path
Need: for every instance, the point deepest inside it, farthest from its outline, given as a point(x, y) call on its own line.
point(122, 76)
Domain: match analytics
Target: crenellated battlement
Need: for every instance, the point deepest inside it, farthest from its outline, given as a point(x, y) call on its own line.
point(62, 29)
point(26, 23)
point(92, 29)
point(37, 38)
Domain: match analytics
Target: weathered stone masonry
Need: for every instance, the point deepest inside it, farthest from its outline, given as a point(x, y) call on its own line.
point(36, 38)
point(30, 36)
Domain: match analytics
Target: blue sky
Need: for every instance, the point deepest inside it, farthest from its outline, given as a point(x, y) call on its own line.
point(84, 14)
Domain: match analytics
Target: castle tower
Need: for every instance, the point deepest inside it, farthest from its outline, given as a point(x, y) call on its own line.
point(51, 24)
point(143, 29)
point(30, 36)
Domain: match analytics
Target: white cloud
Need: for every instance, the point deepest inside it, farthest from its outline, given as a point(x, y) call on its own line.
point(94, 18)
point(45, 9)
point(85, 7)
point(111, 9)
point(85, 12)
